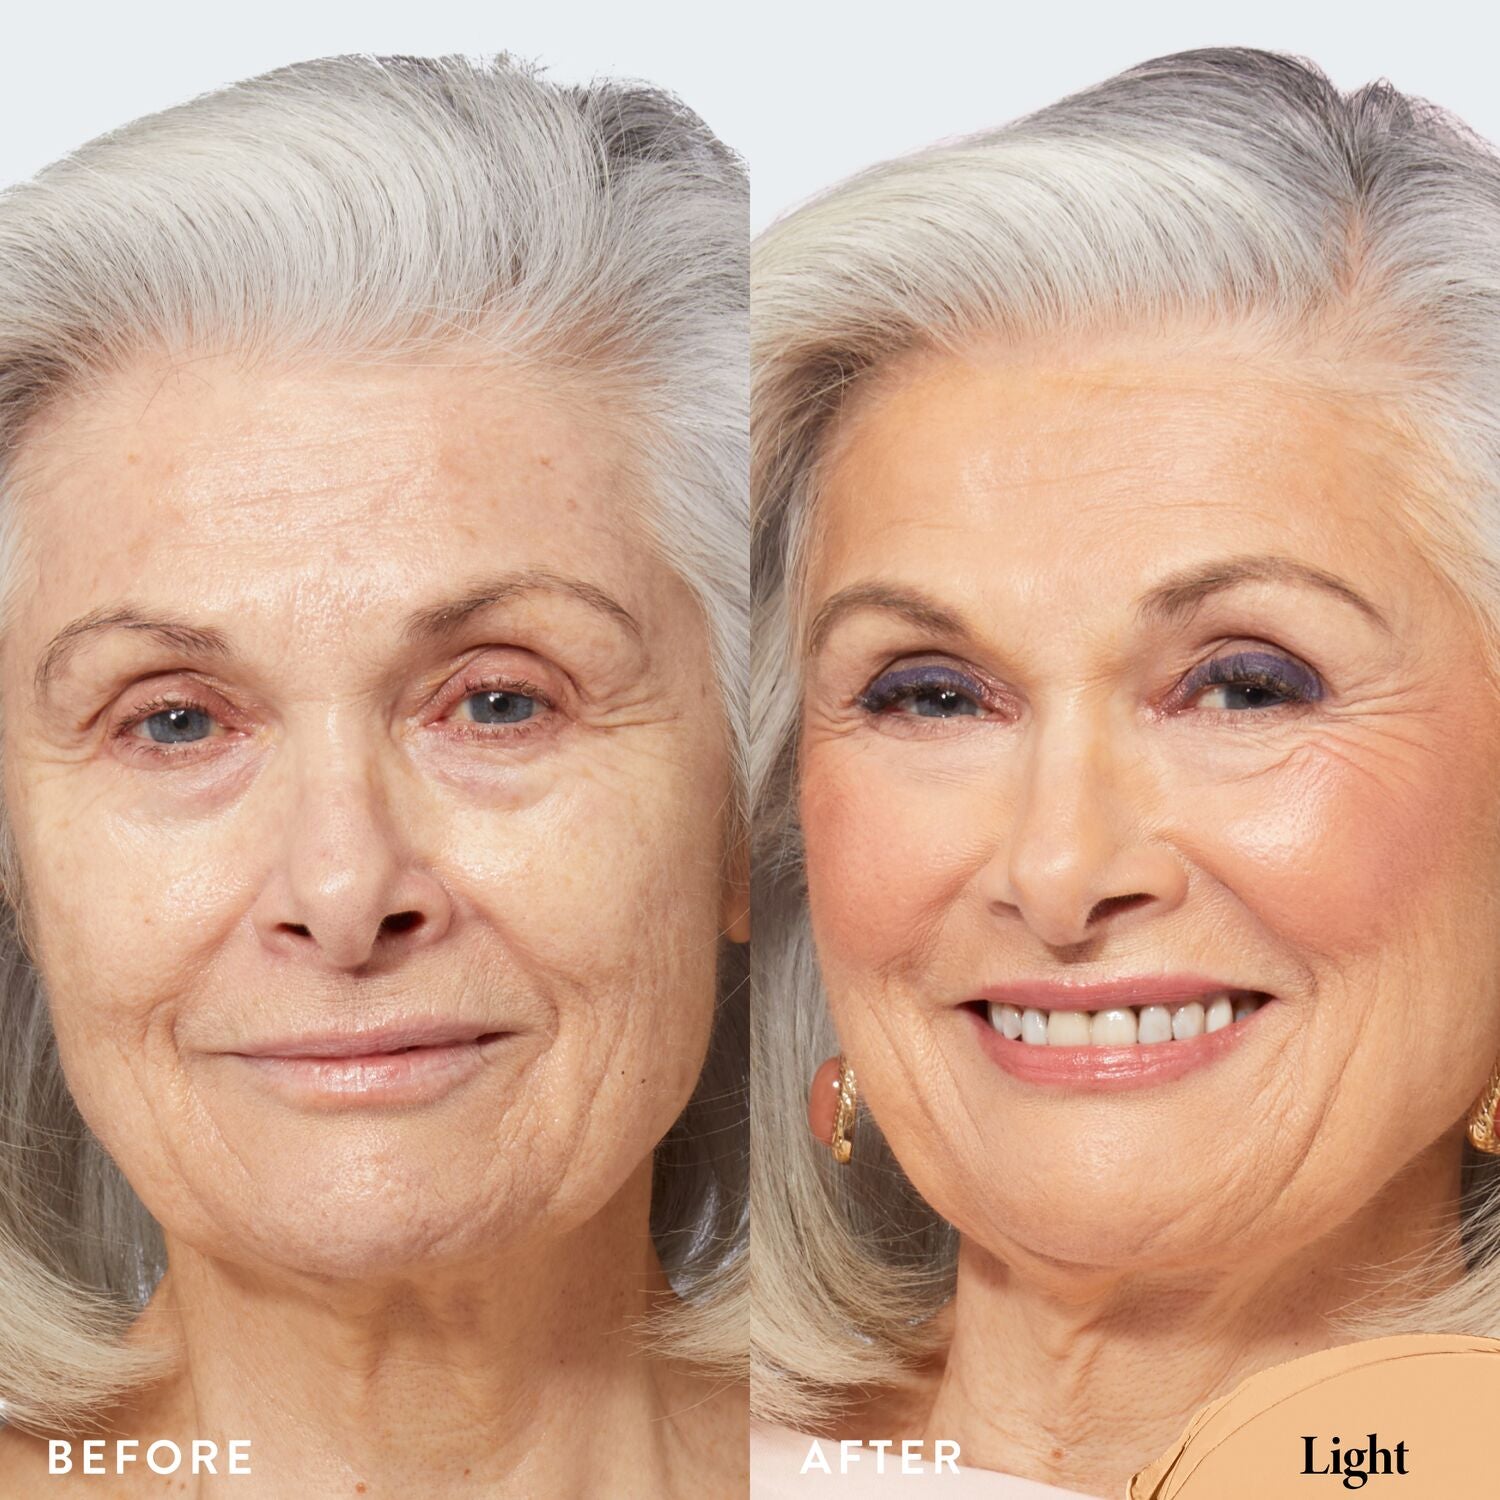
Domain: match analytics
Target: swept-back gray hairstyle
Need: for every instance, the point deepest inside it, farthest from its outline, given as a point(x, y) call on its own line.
point(1214, 187)
point(383, 209)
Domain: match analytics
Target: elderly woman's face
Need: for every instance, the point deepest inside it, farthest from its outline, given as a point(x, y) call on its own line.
point(1127, 666)
point(367, 777)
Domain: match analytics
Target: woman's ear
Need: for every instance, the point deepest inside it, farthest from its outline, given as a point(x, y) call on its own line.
point(734, 913)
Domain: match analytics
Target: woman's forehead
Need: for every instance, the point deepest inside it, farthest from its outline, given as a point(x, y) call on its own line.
point(1043, 462)
point(200, 477)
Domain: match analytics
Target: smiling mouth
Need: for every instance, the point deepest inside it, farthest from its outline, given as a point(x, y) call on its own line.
point(1125, 1025)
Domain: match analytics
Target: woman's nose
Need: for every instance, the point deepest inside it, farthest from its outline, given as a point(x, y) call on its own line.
point(1081, 846)
point(348, 890)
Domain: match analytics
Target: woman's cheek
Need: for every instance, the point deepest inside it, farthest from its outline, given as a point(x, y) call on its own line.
point(603, 897)
point(886, 855)
point(128, 916)
point(1340, 850)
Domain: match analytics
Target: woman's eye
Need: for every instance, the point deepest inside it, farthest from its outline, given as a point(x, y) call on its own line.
point(1251, 680)
point(924, 692)
point(500, 706)
point(177, 725)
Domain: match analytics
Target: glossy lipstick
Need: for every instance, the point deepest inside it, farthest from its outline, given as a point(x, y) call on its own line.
point(1108, 1066)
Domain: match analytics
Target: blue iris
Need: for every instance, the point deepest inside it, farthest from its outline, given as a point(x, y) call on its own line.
point(931, 692)
point(177, 726)
point(1256, 679)
point(499, 707)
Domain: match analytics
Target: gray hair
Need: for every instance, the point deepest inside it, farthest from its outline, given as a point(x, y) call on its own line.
point(1229, 186)
point(383, 209)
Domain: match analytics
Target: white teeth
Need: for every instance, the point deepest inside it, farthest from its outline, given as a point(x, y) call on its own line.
point(1068, 1028)
point(1156, 1024)
point(1187, 1021)
point(1112, 1028)
point(1124, 1026)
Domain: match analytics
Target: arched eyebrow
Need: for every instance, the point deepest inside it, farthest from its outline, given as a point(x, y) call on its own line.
point(442, 619)
point(200, 640)
point(1180, 593)
point(908, 604)
point(429, 623)
point(1173, 599)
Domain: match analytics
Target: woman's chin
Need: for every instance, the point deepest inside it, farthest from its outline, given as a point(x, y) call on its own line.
point(384, 1242)
point(1111, 1229)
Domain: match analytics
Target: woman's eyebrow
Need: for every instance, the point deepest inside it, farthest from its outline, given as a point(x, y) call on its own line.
point(1173, 598)
point(908, 603)
point(1180, 593)
point(177, 633)
point(441, 619)
point(429, 623)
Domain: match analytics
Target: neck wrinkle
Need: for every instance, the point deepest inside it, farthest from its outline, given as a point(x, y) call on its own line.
point(1078, 1377)
point(523, 1371)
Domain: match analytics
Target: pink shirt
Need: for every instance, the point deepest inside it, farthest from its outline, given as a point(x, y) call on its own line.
point(777, 1456)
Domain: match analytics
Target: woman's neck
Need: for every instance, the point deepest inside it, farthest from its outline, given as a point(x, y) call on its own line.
point(1079, 1378)
point(522, 1375)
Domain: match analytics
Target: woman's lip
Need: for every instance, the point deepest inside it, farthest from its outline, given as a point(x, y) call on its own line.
point(1102, 1069)
point(350, 1046)
point(1108, 994)
point(418, 1074)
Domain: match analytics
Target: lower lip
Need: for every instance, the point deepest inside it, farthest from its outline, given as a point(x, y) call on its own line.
point(1104, 1069)
point(417, 1076)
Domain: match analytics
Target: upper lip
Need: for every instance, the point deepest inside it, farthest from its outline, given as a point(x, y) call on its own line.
point(1108, 994)
point(372, 1041)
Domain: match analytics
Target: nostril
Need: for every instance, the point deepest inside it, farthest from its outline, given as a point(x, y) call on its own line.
point(1112, 904)
point(297, 928)
point(401, 921)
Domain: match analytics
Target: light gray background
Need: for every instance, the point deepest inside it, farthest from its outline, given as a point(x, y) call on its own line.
point(807, 90)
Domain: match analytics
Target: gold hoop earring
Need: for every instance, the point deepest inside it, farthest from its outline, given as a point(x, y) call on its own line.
point(1482, 1131)
point(843, 1122)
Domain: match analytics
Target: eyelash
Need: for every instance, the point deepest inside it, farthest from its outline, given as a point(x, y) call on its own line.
point(149, 748)
point(158, 750)
point(512, 687)
point(1296, 685)
point(907, 685)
